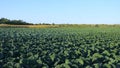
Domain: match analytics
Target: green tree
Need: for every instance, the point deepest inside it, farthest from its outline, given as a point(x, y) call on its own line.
point(4, 20)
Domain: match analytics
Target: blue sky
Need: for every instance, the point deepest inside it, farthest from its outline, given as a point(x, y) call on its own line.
point(62, 11)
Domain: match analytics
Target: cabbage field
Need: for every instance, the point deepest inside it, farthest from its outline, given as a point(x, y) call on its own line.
point(72, 47)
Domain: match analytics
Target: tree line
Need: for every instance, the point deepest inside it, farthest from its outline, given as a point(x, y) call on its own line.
point(13, 22)
point(19, 22)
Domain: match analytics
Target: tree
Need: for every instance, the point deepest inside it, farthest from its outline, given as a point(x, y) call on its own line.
point(4, 20)
point(13, 22)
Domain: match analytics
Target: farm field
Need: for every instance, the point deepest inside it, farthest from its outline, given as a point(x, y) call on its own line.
point(62, 47)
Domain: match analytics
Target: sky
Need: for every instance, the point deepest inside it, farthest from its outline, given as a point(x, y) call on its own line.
point(62, 11)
